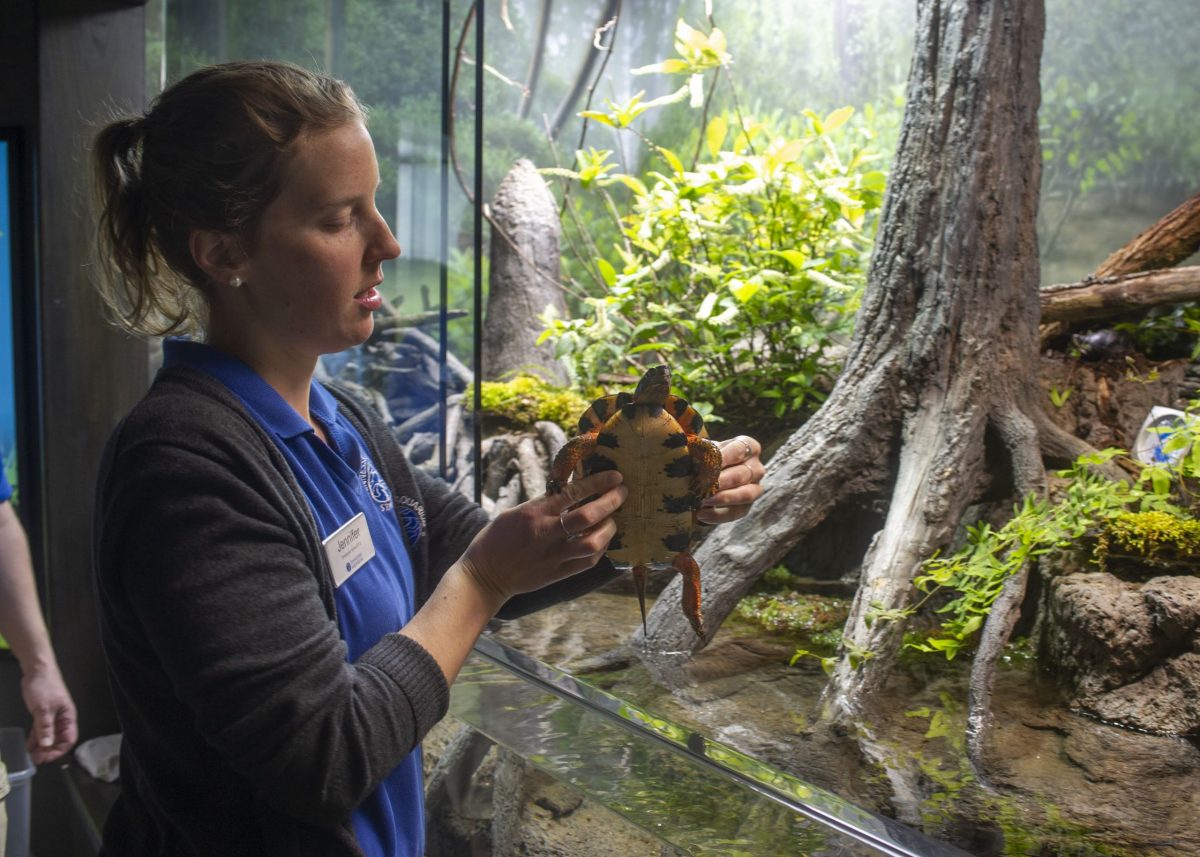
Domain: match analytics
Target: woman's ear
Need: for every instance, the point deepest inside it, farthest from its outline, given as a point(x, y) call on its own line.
point(218, 254)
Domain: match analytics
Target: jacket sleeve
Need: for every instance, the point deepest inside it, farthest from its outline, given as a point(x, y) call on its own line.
point(452, 521)
point(207, 581)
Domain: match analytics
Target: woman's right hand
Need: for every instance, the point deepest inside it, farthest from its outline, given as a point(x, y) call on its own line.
point(545, 540)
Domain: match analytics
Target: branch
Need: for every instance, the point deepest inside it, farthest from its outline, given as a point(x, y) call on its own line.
point(1175, 237)
point(1118, 295)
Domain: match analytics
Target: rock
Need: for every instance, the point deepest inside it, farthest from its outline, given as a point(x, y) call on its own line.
point(1129, 651)
point(1165, 701)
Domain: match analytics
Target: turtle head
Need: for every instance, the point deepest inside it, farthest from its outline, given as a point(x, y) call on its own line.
point(654, 387)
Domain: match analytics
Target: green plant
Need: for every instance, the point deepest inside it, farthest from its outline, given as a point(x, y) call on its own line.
point(526, 399)
point(1059, 397)
point(743, 269)
point(974, 576)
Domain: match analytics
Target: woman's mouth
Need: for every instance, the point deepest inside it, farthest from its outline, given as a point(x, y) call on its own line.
point(370, 299)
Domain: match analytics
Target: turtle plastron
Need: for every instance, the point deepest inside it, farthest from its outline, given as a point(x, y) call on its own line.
point(657, 441)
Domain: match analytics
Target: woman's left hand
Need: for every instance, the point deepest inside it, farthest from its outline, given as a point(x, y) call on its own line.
point(740, 482)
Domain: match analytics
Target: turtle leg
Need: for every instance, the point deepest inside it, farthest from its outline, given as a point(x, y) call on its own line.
point(567, 460)
point(639, 583)
point(706, 467)
point(685, 565)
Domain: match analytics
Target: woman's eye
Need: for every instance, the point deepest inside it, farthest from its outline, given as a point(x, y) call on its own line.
point(336, 225)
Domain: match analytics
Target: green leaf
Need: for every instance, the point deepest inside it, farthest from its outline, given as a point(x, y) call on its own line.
point(837, 119)
point(714, 135)
point(706, 306)
point(630, 182)
point(794, 257)
point(672, 159)
point(671, 66)
point(743, 291)
point(606, 271)
point(603, 118)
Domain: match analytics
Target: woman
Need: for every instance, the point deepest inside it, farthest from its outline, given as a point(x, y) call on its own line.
point(284, 600)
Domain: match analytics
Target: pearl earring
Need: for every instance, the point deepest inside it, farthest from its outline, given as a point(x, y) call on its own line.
point(235, 281)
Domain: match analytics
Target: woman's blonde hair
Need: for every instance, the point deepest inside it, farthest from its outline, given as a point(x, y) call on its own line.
point(208, 155)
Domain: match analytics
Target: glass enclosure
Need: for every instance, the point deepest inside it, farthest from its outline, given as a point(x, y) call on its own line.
point(629, 114)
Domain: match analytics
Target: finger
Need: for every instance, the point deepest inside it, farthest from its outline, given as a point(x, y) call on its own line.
point(590, 546)
point(738, 475)
point(576, 522)
point(739, 449)
point(579, 490)
point(41, 733)
point(723, 514)
point(743, 495)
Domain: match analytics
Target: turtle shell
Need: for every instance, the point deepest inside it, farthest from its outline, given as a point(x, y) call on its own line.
point(648, 444)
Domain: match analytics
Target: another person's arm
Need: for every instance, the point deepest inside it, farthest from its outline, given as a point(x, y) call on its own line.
point(53, 731)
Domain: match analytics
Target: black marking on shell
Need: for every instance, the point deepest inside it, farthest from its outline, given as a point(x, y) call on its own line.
point(676, 505)
point(676, 406)
point(607, 439)
point(598, 462)
point(616, 543)
point(675, 440)
point(677, 541)
point(679, 468)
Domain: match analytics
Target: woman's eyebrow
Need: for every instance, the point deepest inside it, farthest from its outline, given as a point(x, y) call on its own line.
point(346, 201)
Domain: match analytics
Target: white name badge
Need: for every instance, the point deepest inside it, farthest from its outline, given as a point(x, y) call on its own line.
point(349, 548)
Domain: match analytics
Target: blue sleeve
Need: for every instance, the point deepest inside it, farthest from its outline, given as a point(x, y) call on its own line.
point(5, 488)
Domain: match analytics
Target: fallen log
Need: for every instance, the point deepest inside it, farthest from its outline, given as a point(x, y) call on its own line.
point(1175, 237)
point(1170, 240)
point(1102, 298)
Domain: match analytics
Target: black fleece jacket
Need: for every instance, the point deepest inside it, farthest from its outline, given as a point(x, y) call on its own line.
point(246, 731)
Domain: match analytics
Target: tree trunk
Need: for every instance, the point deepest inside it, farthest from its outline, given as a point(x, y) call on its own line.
point(535, 59)
point(939, 388)
point(522, 277)
point(579, 85)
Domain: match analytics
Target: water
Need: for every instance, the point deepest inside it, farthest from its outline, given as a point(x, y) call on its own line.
point(1056, 783)
point(684, 788)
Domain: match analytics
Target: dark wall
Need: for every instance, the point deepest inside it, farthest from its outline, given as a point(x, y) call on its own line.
point(64, 66)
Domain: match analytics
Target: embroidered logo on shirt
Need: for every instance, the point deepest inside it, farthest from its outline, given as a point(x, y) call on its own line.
point(376, 487)
point(412, 518)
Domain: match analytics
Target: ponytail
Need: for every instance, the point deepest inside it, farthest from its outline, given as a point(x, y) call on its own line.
point(142, 294)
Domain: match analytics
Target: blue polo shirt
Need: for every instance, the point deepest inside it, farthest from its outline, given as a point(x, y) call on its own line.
point(340, 482)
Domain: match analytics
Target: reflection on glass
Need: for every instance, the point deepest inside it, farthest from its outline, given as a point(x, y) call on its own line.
point(685, 788)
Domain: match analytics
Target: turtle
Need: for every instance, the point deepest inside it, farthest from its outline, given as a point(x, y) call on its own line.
point(660, 446)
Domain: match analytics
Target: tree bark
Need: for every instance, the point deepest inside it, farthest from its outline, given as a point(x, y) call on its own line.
point(1115, 295)
point(1175, 237)
point(939, 387)
point(1164, 245)
point(522, 277)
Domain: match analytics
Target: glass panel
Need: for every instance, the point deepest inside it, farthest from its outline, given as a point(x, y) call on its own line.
point(683, 787)
point(393, 54)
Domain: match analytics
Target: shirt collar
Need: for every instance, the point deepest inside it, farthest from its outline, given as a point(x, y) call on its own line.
point(275, 414)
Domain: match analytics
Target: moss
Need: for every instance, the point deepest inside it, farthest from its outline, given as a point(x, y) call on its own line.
point(1156, 537)
point(795, 613)
point(526, 399)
